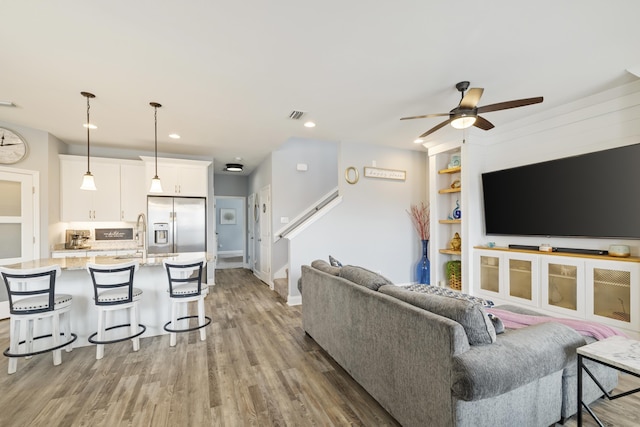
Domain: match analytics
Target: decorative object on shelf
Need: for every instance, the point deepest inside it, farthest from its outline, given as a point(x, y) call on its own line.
point(13, 147)
point(457, 213)
point(621, 251)
point(87, 180)
point(420, 217)
point(156, 184)
point(456, 242)
point(555, 296)
point(385, 173)
point(455, 161)
point(455, 184)
point(545, 247)
point(454, 273)
point(491, 244)
point(351, 175)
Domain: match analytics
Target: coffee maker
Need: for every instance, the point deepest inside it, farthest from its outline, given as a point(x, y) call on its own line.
point(77, 239)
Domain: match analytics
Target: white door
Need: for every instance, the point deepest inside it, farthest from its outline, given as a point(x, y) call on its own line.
point(263, 248)
point(251, 223)
point(17, 222)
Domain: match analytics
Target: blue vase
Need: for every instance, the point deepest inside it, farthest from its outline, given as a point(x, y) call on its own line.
point(423, 269)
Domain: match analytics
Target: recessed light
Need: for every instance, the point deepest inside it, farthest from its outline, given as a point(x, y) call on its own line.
point(90, 126)
point(309, 125)
point(174, 136)
point(418, 141)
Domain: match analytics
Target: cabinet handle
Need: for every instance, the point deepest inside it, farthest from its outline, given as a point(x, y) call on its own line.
point(89, 213)
point(121, 215)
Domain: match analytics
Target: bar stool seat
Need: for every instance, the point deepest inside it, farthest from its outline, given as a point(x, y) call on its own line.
point(114, 290)
point(32, 298)
point(185, 285)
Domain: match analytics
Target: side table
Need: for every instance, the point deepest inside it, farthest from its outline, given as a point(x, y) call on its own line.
point(616, 352)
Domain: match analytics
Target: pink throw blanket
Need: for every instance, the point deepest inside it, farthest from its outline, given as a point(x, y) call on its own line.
point(591, 329)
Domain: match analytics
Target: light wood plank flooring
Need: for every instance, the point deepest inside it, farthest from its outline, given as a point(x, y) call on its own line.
point(257, 367)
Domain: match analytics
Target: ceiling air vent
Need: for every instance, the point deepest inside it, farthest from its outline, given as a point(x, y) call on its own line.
point(295, 115)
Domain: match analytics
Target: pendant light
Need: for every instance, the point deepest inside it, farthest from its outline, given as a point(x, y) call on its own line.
point(87, 181)
point(156, 185)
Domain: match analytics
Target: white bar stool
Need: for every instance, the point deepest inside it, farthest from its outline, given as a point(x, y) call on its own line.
point(32, 297)
point(185, 286)
point(113, 290)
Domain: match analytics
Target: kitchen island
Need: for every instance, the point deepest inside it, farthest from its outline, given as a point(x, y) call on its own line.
point(151, 278)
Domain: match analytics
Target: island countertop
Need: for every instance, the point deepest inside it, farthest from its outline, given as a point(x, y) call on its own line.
point(80, 263)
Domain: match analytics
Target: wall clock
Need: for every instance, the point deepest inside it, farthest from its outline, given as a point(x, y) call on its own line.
point(13, 147)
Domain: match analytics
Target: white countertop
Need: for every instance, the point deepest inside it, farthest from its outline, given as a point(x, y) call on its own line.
point(80, 263)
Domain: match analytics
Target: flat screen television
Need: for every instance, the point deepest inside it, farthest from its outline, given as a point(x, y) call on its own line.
point(593, 195)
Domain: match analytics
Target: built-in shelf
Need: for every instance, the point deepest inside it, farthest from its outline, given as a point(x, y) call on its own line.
point(450, 170)
point(450, 221)
point(622, 285)
point(562, 276)
point(450, 252)
point(450, 190)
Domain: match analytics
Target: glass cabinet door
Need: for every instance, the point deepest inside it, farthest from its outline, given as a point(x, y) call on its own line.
point(522, 278)
point(612, 293)
point(561, 285)
point(489, 280)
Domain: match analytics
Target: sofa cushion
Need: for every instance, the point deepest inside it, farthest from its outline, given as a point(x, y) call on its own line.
point(323, 265)
point(364, 277)
point(470, 315)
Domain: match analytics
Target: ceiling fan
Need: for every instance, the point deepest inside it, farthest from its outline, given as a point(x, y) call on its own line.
point(466, 113)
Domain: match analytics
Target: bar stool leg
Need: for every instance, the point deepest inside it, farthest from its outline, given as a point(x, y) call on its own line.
point(174, 317)
point(100, 347)
point(67, 330)
point(133, 321)
point(14, 332)
point(28, 340)
point(201, 319)
point(55, 334)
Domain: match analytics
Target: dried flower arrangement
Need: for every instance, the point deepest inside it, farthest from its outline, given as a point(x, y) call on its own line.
point(420, 218)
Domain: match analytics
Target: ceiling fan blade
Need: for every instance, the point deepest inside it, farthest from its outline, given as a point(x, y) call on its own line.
point(483, 123)
point(435, 128)
point(471, 98)
point(425, 116)
point(510, 104)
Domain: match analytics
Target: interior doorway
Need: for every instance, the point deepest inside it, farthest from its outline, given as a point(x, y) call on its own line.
point(263, 235)
point(231, 232)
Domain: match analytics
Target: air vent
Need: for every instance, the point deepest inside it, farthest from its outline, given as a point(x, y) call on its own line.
point(296, 115)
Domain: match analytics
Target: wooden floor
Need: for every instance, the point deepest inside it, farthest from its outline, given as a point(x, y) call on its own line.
point(257, 367)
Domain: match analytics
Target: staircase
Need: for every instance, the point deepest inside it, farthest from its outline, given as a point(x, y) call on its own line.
point(281, 286)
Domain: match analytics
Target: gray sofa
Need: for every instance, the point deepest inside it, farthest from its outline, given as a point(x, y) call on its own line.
point(437, 361)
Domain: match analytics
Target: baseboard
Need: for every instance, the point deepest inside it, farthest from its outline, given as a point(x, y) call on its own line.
point(294, 300)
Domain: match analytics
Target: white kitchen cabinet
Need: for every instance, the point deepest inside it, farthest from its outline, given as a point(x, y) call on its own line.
point(179, 177)
point(133, 191)
point(82, 205)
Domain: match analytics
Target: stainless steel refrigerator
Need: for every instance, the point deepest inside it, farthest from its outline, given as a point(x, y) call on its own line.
point(176, 224)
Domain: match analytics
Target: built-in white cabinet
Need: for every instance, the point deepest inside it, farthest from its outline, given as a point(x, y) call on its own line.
point(82, 205)
point(179, 177)
point(133, 191)
point(120, 195)
point(597, 288)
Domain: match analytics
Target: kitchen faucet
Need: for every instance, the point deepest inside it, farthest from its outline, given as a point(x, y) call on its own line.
point(142, 218)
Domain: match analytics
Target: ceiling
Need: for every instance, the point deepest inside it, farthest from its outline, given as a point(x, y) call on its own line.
point(229, 73)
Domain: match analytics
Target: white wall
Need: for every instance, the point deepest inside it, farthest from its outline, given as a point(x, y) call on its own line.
point(371, 227)
point(606, 120)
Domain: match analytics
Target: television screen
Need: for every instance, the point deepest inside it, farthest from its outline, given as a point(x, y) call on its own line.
point(590, 195)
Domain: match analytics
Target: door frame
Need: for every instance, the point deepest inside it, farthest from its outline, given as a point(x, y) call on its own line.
point(31, 251)
point(263, 247)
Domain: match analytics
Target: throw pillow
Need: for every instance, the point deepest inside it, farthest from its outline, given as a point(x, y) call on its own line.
point(364, 277)
point(471, 315)
point(334, 262)
point(323, 265)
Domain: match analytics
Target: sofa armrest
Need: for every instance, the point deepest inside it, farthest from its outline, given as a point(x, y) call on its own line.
point(517, 358)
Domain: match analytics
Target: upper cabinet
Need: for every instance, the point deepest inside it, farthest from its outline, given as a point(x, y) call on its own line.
point(179, 177)
point(82, 205)
point(133, 190)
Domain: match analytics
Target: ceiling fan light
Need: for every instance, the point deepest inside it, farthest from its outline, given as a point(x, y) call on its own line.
point(463, 121)
point(88, 183)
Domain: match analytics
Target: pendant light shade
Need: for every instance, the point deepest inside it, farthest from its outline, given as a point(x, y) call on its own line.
point(87, 181)
point(156, 184)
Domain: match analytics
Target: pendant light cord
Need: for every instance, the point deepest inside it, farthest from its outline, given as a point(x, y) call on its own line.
point(155, 117)
point(88, 129)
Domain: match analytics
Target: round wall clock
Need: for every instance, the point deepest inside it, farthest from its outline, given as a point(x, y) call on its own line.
point(13, 147)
